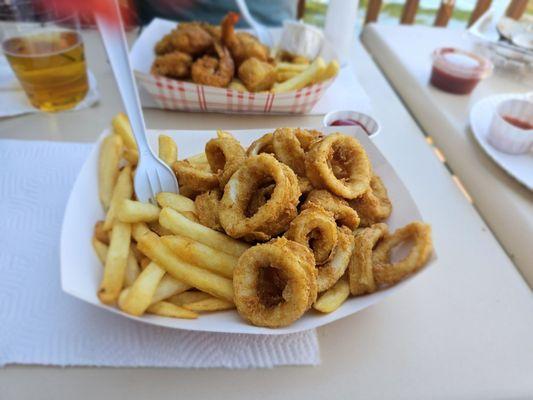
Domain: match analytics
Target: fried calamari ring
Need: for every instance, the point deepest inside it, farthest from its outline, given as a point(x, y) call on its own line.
point(315, 228)
point(207, 208)
point(261, 145)
point(387, 272)
point(305, 184)
point(342, 212)
point(271, 283)
point(225, 155)
point(374, 205)
point(360, 269)
point(196, 180)
point(339, 163)
point(274, 216)
point(307, 262)
point(291, 144)
point(331, 272)
point(259, 199)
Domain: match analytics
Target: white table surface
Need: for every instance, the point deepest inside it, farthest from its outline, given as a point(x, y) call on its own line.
point(461, 330)
point(403, 53)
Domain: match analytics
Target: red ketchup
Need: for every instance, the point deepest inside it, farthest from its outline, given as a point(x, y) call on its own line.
point(518, 122)
point(349, 122)
point(457, 71)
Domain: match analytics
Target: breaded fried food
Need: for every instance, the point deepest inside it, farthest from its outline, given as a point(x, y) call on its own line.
point(190, 38)
point(241, 45)
point(257, 75)
point(175, 65)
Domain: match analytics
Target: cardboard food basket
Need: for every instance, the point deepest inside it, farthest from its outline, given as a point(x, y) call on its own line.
point(172, 94)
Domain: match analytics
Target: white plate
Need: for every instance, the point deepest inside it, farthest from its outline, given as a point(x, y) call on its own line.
point(81, 271)
point(519, 166)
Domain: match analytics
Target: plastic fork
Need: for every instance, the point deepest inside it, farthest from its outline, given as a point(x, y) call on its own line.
point(261, 30)
point(152, 175)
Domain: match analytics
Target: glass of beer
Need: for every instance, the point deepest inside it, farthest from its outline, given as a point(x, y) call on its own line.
point(47, 56)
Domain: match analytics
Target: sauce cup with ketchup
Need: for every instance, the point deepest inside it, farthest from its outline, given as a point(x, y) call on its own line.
point(458, 71)
point(511, 129)
point(353, 118)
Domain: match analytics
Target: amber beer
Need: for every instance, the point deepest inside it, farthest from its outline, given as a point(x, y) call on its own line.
point(50, 66)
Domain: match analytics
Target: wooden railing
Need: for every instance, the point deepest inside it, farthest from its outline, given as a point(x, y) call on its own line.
point(515, 10)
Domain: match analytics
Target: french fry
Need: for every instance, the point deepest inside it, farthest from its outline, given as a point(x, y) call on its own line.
point(121, 126)
point(132, 211)
point(209, 304)
point(289, 66)
point(152, 246)
point(333, 297)
point(144, 262)
point(132, 268)
point(100, 233)
point(236, 84)
point(131, 156)
point(175, 201)
point(190, 216)
point(116, 263)
point(166, 309)
point(304, 78)
point(155, 227)
point(108, 163)
point(100, 249)
point(168, 287)
point(180, 225)
point(199, 158)
point(123, 190)
point(331, 70)
point(168, 151)
point(138, 230)
point(139, 296)
point(190, 296)
point(282, 76)
point(201, 255)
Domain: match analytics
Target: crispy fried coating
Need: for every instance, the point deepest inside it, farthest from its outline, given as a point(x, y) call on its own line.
point(257, 75)
point(175, 65)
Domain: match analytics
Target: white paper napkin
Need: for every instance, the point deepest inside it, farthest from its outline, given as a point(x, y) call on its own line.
point(14, 100)
point(39, 324)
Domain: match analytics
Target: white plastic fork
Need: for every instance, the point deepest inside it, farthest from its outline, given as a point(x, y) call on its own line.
point(261, 30)
point(152, 175)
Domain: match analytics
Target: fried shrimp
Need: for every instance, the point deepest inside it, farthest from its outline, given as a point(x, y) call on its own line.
point(274, 216)
point(340, 164)
point(225, 155)
point(274, 283)
point(374, 205)
point(188, 38)
point(212, 71)
point(175, 65)
point(342, 212)
point(241, 45)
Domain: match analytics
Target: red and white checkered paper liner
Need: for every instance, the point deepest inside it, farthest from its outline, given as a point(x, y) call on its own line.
point(187, 96)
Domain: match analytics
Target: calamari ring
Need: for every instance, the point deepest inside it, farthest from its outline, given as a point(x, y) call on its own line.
point(271, 284)
point(342, 212)
point(307, 261)
point(374, 205)
point(225, 155)
point(207, 208)
point(304, 184)
point(331, 272)
point(316, 229)
point(360, 269)
point(290, 146)
point(194, 178)
point(387, 272)
point(274, 216)
point(259, 199)
point(261, 145)
point(340, 164)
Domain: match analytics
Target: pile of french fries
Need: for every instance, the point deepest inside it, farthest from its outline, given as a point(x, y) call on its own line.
point(292, 76)
point(159, 259)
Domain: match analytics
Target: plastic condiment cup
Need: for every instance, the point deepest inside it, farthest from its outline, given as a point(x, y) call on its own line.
point(365, 122)
point(458, 71)
point(504, 132)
